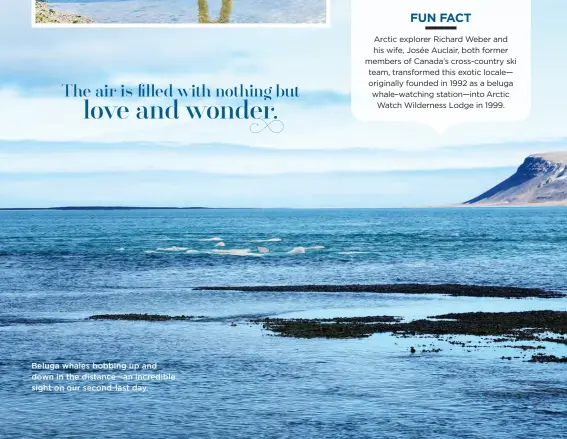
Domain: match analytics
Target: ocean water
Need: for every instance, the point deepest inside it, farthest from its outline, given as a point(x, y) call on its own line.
point(187, 11)
point(59, 267)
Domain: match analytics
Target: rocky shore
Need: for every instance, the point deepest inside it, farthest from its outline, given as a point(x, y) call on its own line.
point(44, 14)
point(144, 317)
point(492, 329)
point(447, 289)
point(540, 358)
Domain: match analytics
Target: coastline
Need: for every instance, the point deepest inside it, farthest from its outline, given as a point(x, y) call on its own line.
point(434, 206)
point(485, 205)
point(44, 14)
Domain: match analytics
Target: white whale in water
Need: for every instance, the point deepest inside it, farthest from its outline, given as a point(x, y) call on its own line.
point(263, 249)
point(297, 250)
point(220, 244)
point(235, 252)
point(172, 249)
point(216, 238)
point(267, 240)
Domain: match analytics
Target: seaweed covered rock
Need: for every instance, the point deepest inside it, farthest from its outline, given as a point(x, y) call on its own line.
point(144, 317)
point(541, 358)
point(528, 325)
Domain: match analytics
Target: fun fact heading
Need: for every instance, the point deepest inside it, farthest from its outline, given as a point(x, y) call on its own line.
point(441, 18)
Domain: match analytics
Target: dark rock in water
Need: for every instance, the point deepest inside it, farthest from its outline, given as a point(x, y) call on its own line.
point(341, 327)
point(562, 340)
point(523, 347)
point(542, 178)
point(500, 323)
point(541, 358)
point(145, 317)
point(448, 289)
point(514, 325)
point(367, 319)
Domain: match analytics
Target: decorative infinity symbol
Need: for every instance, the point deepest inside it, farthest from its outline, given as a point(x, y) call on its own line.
point(256, 128)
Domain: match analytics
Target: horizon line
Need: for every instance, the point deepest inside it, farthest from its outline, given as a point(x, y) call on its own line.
point(439, 206)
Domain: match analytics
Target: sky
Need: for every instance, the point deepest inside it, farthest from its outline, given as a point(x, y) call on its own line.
point(323, 158)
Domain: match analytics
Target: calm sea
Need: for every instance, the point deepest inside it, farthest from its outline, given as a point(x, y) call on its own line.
point(59, 267)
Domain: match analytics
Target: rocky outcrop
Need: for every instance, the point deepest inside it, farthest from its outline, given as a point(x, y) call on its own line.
point(541, 179)
point(146, 317)
point(508, 326)
point(44, 14)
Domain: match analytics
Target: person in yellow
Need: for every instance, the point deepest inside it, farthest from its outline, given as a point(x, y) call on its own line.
point(224, 15)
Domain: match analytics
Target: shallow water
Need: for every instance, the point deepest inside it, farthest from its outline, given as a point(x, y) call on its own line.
point(187, 11)
point(56, 268)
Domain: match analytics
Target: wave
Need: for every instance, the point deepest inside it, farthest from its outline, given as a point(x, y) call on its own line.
point(173, 249)
point(301, 250)
point(353, 253)
point(13, 320)
point(259, 251)
point(216, 238)
point(267, 240)
point(236, 252)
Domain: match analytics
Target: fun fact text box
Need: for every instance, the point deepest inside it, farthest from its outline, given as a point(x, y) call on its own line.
point(441, 62)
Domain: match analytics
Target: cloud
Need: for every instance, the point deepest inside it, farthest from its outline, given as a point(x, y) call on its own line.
point(181, 189)
point(227, 159)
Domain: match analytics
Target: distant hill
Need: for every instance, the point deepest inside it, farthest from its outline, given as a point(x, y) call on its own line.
point(102, 208)
point(541, 179)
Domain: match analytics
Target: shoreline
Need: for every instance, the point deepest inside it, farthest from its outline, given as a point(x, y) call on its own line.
point(440, 206)
point(45, 15)
point(501, 205)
